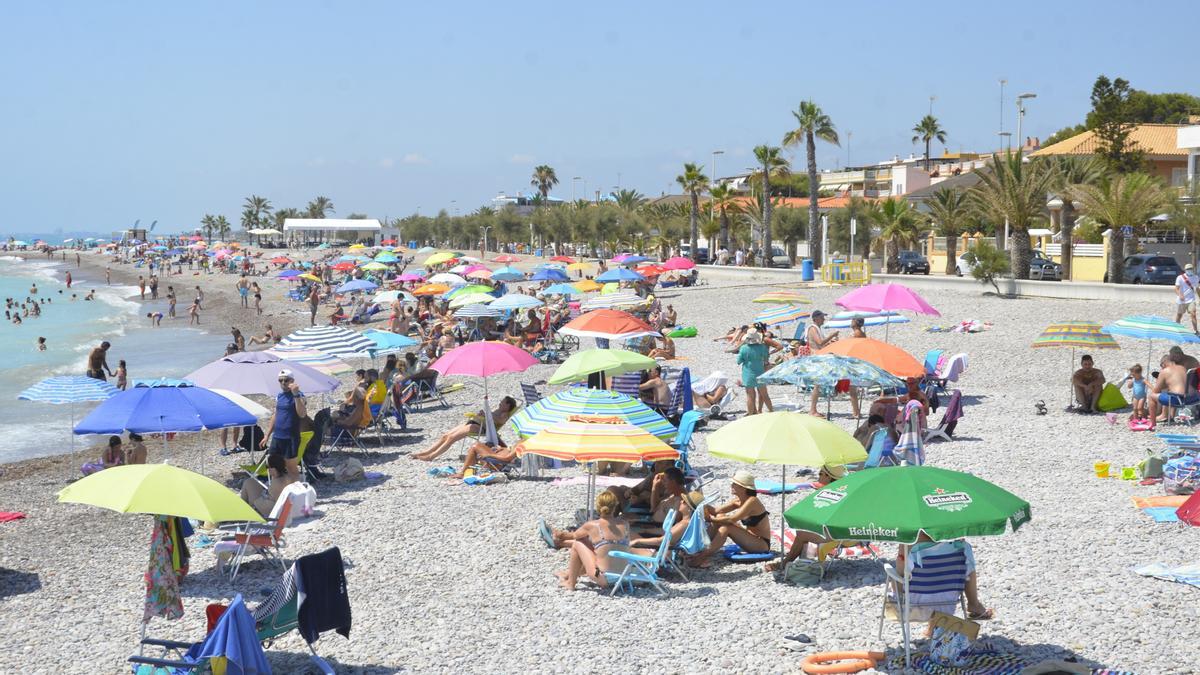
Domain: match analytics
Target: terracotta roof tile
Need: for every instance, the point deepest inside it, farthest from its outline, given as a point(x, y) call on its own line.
point(1156, 139)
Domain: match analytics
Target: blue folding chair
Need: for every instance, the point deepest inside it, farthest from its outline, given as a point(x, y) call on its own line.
point(881, 450)
point(641, 569)
point(683, 440)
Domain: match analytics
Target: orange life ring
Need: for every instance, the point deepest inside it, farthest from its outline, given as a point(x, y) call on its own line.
point(840, 662)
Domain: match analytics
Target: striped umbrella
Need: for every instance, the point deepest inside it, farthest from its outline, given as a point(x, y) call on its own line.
point(583, 401)
point(611, 300)
point(477, 310)
point(1151, 328)
point(784, 297)
point(471, 299)
point(826, 370)
point(318, 360)
point(333, 340)
point(516, 301)
point(69, 389)
point(781, 314)
point(1082, 334)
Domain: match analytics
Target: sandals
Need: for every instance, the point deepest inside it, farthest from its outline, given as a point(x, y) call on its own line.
point(981, 616)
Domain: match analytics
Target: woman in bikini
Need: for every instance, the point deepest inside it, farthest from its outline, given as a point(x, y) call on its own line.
point(592, 543)
point(743, 519)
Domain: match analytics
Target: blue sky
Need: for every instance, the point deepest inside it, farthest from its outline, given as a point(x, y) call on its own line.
point(115, 111)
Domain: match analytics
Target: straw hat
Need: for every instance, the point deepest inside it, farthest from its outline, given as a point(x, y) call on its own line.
point(694, 498)
point(745, 479)
point(752, 337)
point(835, 471)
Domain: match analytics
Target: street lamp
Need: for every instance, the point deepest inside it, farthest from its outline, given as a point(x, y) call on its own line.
point(1005, 137)
point(713, 182)
point(573, 186)
point(1021, 116)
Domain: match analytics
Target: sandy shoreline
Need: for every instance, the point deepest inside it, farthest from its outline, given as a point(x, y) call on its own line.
point(451, 578)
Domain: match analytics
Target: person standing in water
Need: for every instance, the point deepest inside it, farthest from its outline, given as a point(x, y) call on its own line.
point(171, 301)
point(98, 362)
point(142, 286)
point(68, 279)
point(107, 276)
point(194, 313)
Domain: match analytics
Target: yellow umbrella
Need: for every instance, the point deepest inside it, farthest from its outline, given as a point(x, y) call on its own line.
point(162, 490)
point(308, 276)
point(438, 258)
point(587, 286)
point(610, 287)
point(574, 267)
point(783, 297)
point(356, 247)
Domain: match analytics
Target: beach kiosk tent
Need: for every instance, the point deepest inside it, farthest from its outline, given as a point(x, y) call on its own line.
point(318, 230)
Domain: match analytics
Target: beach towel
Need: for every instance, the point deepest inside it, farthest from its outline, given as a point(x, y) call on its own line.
point(603, 481)
point(911, 445)
point(1185, 574)
point(8, 516)
point(1162, 514)
point(1174, 501)
point(1111, 399)
point(774, 487)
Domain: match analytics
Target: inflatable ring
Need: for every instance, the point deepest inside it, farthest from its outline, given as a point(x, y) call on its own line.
point(840, 662)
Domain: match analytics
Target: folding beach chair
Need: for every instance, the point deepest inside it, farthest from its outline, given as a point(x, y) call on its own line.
point(932, 357)
point(641, 569)
point(950, 418)
point(265, 539)
point(531, 394)
point(628, 384)
point(229, 647)
point(683, 441)
point(379, 417)
point(934, 580)
point(427, 390)
point(797, 335)
point(881, 450)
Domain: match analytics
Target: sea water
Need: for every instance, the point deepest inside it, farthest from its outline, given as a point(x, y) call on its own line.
point(72, 328)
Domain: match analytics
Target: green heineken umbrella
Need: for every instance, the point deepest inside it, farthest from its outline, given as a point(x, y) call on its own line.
point(609, 361)
point(898, 503)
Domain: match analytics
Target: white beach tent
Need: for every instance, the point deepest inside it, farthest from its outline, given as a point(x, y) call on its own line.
point(344, 229)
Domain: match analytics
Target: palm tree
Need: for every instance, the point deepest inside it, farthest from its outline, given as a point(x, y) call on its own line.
point(248, 219)
point(770, 158)
point(693, 181)
point(898, 225)
point(927, 130)
point(950, 208)
point(207, 223)
point(811, 124)
point(260, 208)
point(629, 200)
point(1185, 214)
point(1013, 191)
point(1071, 171)
point(724, 202)
point(221, 226)
point(320, 207)
point(282, 215)
point(544, 179)
point(1120, 200)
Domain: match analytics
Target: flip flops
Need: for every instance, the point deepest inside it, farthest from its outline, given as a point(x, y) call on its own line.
point(544, 532)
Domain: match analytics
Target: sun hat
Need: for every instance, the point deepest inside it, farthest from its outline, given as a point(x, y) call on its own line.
point(835, 471)
point(694, 498)
point(745, 479)
point(752, 337)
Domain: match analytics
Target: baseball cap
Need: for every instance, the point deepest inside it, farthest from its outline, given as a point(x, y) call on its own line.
point(285, 374)
point(1188, 266)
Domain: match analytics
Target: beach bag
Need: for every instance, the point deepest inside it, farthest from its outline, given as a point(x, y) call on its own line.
point(1181, 475)
point(695, 537)
point(685, 332)
point(349, 471)
point(1111, 399)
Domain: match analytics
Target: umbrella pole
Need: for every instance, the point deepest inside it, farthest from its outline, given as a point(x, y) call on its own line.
point(782, 505)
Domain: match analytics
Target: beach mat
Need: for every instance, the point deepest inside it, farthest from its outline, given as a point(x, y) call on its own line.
point(1162, 514)
point(774, 487)
point(1185, 574)
point(8, 516)
point(1174, 501)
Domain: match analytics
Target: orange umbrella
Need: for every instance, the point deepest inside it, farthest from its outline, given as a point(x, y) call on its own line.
point(584, 438)
point(608, 323)
point(888, 357)
point(430, 289)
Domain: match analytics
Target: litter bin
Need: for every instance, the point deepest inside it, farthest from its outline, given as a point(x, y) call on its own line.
point(839, 273)
point(806, 270)
point(538, 253)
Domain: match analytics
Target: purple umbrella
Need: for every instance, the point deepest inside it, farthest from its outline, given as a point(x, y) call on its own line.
point(258, 373)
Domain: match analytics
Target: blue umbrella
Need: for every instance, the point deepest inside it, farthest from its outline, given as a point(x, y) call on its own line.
point(508, 274)
point(357, 285)
point(387, 342)
point(634, 259)
point(549, 274)
point(164, 409)
point(289, 274)
point(348, 258)
point(619, 274)
point(69, 389)
point(515, 301)
point(1150, 328)
point(476, 311)
point(235, 637)
point(562, 289)
point(826, 370)
point(386, 258)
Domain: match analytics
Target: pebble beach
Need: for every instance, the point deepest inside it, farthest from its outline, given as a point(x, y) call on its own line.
point(450, 578)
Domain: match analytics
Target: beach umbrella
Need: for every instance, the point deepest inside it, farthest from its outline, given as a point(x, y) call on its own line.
point(611, 287)
point(321, 247)
point(349, 258)
point(448, 279)
point(387, 258)
point(481, 359)
point(619, 274)
point(550, 274)
point(438, 259)
point(783, 297)
point(387, 342)
point(628, 299)
point(596, 439)
point(562, 289)
point(826, 370)
point(467, 258)
point(506, 258)
point(355, 247)
point(781, 314)
point(163, 409)
point(355, 285)
point(333, 340)
point(891, 359)
point(162, 490)
point(515, 301)
point(886, 297)
point(69, 390)
point(632, 259)
point(608, 323)
point(431, 289)
point(476, 311)
point(587, 286)
point(579, 266)
point(289, 274)
point(785, 438)
point(374, 267)
point(465, 299)
point(1082, 334)
point(650, 270)
point(1151, 328)
point(410, 276)
point(326, 363)
point(465, 290)
point(426, 249)
point(281, 260)
point(678, 263)
point(309, 277)
point(460, 269)
point(580, 365)
point(508, 274)
point(574, 401)
point(244, 403)
point(385, 297)
point(562, 259)
point(258, 373)
point(482, 273)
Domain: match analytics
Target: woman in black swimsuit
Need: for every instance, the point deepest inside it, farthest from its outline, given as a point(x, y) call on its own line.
point(743, 519)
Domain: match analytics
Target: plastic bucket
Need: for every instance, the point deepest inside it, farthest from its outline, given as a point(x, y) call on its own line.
point(1101, 469)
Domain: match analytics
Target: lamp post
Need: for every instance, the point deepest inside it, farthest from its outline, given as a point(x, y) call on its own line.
point(1005, 138)
point(573, 186)
point(713, 182)
point(1002, 83)
point(1021, 117)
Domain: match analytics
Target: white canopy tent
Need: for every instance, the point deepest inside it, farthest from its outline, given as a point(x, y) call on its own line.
point(335, 229)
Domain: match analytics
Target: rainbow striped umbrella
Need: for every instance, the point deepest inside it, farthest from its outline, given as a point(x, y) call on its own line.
point(578, 401)
point(782, 314)
point(784, 297)
point(1151, 328)
point(1084, 334)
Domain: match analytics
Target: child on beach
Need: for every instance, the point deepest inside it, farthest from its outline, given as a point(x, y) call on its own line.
point(1137, 385)
point(121, 375)
point(41, 344)
point(194, 313)
point(113, 455)
point(155, 318)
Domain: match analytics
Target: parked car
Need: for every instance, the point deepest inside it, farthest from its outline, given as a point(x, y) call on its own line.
point(1148, 268)
point(685, 251)
point(912, 262)
point(1043, 268)
point(779, 257)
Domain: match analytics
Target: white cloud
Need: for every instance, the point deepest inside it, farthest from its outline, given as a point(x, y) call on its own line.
point(415, 158)
point(387, 163)
point(521, 158)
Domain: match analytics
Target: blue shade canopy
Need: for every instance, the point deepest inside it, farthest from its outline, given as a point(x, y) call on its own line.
point(357, 285)
point(515, 301)
point(826, 370)
point(69, 389)
point(619, 274)
point(548, 274)
point(164, 409)
point(387, 342)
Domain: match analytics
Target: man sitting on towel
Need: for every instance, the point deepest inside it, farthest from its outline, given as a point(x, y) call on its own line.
point(1169, 389)
point(1088, 382)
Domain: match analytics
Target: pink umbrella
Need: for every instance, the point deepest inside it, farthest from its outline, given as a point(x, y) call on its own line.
point(622, 256)
point(483, 273)
point(480, 359)
point(475, 267)
point(409, 276)
point(678, 263)
point(885, 298)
